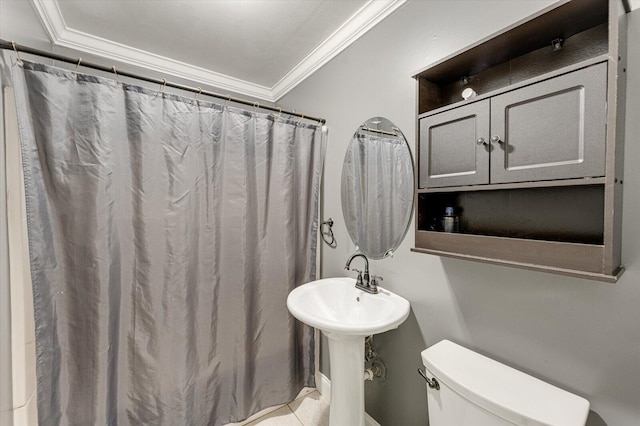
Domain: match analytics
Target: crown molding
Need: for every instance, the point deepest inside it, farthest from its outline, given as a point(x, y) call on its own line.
point(61, 35)
point(51, 18)
point(362, 21)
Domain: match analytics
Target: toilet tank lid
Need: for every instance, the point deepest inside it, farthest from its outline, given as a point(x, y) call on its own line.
point(502, 390)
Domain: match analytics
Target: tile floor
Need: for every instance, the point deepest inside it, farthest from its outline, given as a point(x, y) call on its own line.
point(308, 410)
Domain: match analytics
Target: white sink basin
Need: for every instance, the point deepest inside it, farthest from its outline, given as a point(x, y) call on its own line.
point(334, 305)
point(346, 315)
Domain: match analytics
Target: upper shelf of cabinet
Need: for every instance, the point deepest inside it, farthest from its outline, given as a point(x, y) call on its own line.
point(520, 52)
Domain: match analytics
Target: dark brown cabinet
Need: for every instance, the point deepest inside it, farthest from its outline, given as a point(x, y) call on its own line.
point(532, 165)
point(449, 152)
point(554, 129)
point(551, 130)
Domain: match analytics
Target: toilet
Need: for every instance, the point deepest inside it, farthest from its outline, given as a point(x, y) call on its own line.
point(473, 390)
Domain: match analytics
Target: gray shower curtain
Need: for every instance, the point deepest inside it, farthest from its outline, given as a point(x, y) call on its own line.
point(164, 235)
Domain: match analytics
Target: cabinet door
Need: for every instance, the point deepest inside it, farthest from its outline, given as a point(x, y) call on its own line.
point(554, 129)
point(450, 154)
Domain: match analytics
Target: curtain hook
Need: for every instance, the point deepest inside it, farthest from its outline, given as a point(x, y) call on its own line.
point(279, 116)
point(195, 97)
point(164, 83)
point(300, 119)
point(113, 68)
point(75, 71)
point(15, 49)
point(255, 106)
point(226, 101)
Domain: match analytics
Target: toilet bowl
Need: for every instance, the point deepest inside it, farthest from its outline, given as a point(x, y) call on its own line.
point(473, 390)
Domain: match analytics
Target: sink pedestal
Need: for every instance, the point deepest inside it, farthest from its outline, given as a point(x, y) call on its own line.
point(346, 358)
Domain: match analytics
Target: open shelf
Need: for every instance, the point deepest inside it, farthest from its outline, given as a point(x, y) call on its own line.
point(518, 53)
point(567, 214)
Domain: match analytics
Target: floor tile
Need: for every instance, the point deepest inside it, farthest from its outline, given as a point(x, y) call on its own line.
point(255, 416)
point(305, 391)
point(312, 410)
point(281, 417)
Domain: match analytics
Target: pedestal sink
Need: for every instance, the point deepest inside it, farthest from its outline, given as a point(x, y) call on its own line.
point(346, 316)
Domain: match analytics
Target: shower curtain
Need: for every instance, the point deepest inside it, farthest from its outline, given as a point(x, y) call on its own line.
point(164, 234)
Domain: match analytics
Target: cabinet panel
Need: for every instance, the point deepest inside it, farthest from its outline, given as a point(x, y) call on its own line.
point(449, 154)
point(551, 130)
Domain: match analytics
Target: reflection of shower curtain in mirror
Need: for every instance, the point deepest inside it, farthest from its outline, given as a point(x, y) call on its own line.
point(165, 235)
point(378, 192)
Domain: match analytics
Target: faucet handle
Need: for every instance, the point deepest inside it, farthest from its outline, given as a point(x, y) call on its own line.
point(375, 279)
point(359, 279)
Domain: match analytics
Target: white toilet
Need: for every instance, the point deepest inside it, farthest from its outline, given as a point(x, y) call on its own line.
point(477, 391)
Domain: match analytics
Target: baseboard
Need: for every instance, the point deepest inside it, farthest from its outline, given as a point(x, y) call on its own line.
point(323, 384)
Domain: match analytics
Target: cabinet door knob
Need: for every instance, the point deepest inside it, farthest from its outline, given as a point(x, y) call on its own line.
point(495, 139)
point(481, 141)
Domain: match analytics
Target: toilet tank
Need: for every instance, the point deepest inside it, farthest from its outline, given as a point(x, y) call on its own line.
point(479, 391)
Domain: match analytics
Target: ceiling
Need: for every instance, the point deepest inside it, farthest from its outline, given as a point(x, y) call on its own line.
point(257, 48)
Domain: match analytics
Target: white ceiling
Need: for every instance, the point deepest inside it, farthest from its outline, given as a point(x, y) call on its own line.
point(258, 48)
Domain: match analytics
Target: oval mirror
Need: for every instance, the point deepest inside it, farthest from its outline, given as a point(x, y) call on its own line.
point(377, 188)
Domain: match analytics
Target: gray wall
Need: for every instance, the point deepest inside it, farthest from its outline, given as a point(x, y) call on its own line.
point(580, 335)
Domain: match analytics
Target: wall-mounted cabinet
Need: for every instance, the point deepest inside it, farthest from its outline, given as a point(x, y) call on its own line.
point(532, 164)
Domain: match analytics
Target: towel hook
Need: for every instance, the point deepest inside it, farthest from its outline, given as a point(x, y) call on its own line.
point(326, 231)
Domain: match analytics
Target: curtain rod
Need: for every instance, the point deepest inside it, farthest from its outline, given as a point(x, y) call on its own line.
point(383, 132)
point(11, 45)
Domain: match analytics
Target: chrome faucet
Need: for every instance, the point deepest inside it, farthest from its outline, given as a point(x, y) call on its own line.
point(365, 283)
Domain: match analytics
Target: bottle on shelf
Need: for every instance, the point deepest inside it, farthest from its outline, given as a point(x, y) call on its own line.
point(450, 221)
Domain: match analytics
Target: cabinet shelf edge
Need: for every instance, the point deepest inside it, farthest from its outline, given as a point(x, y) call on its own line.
point(518, 185)
point(612, 279)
